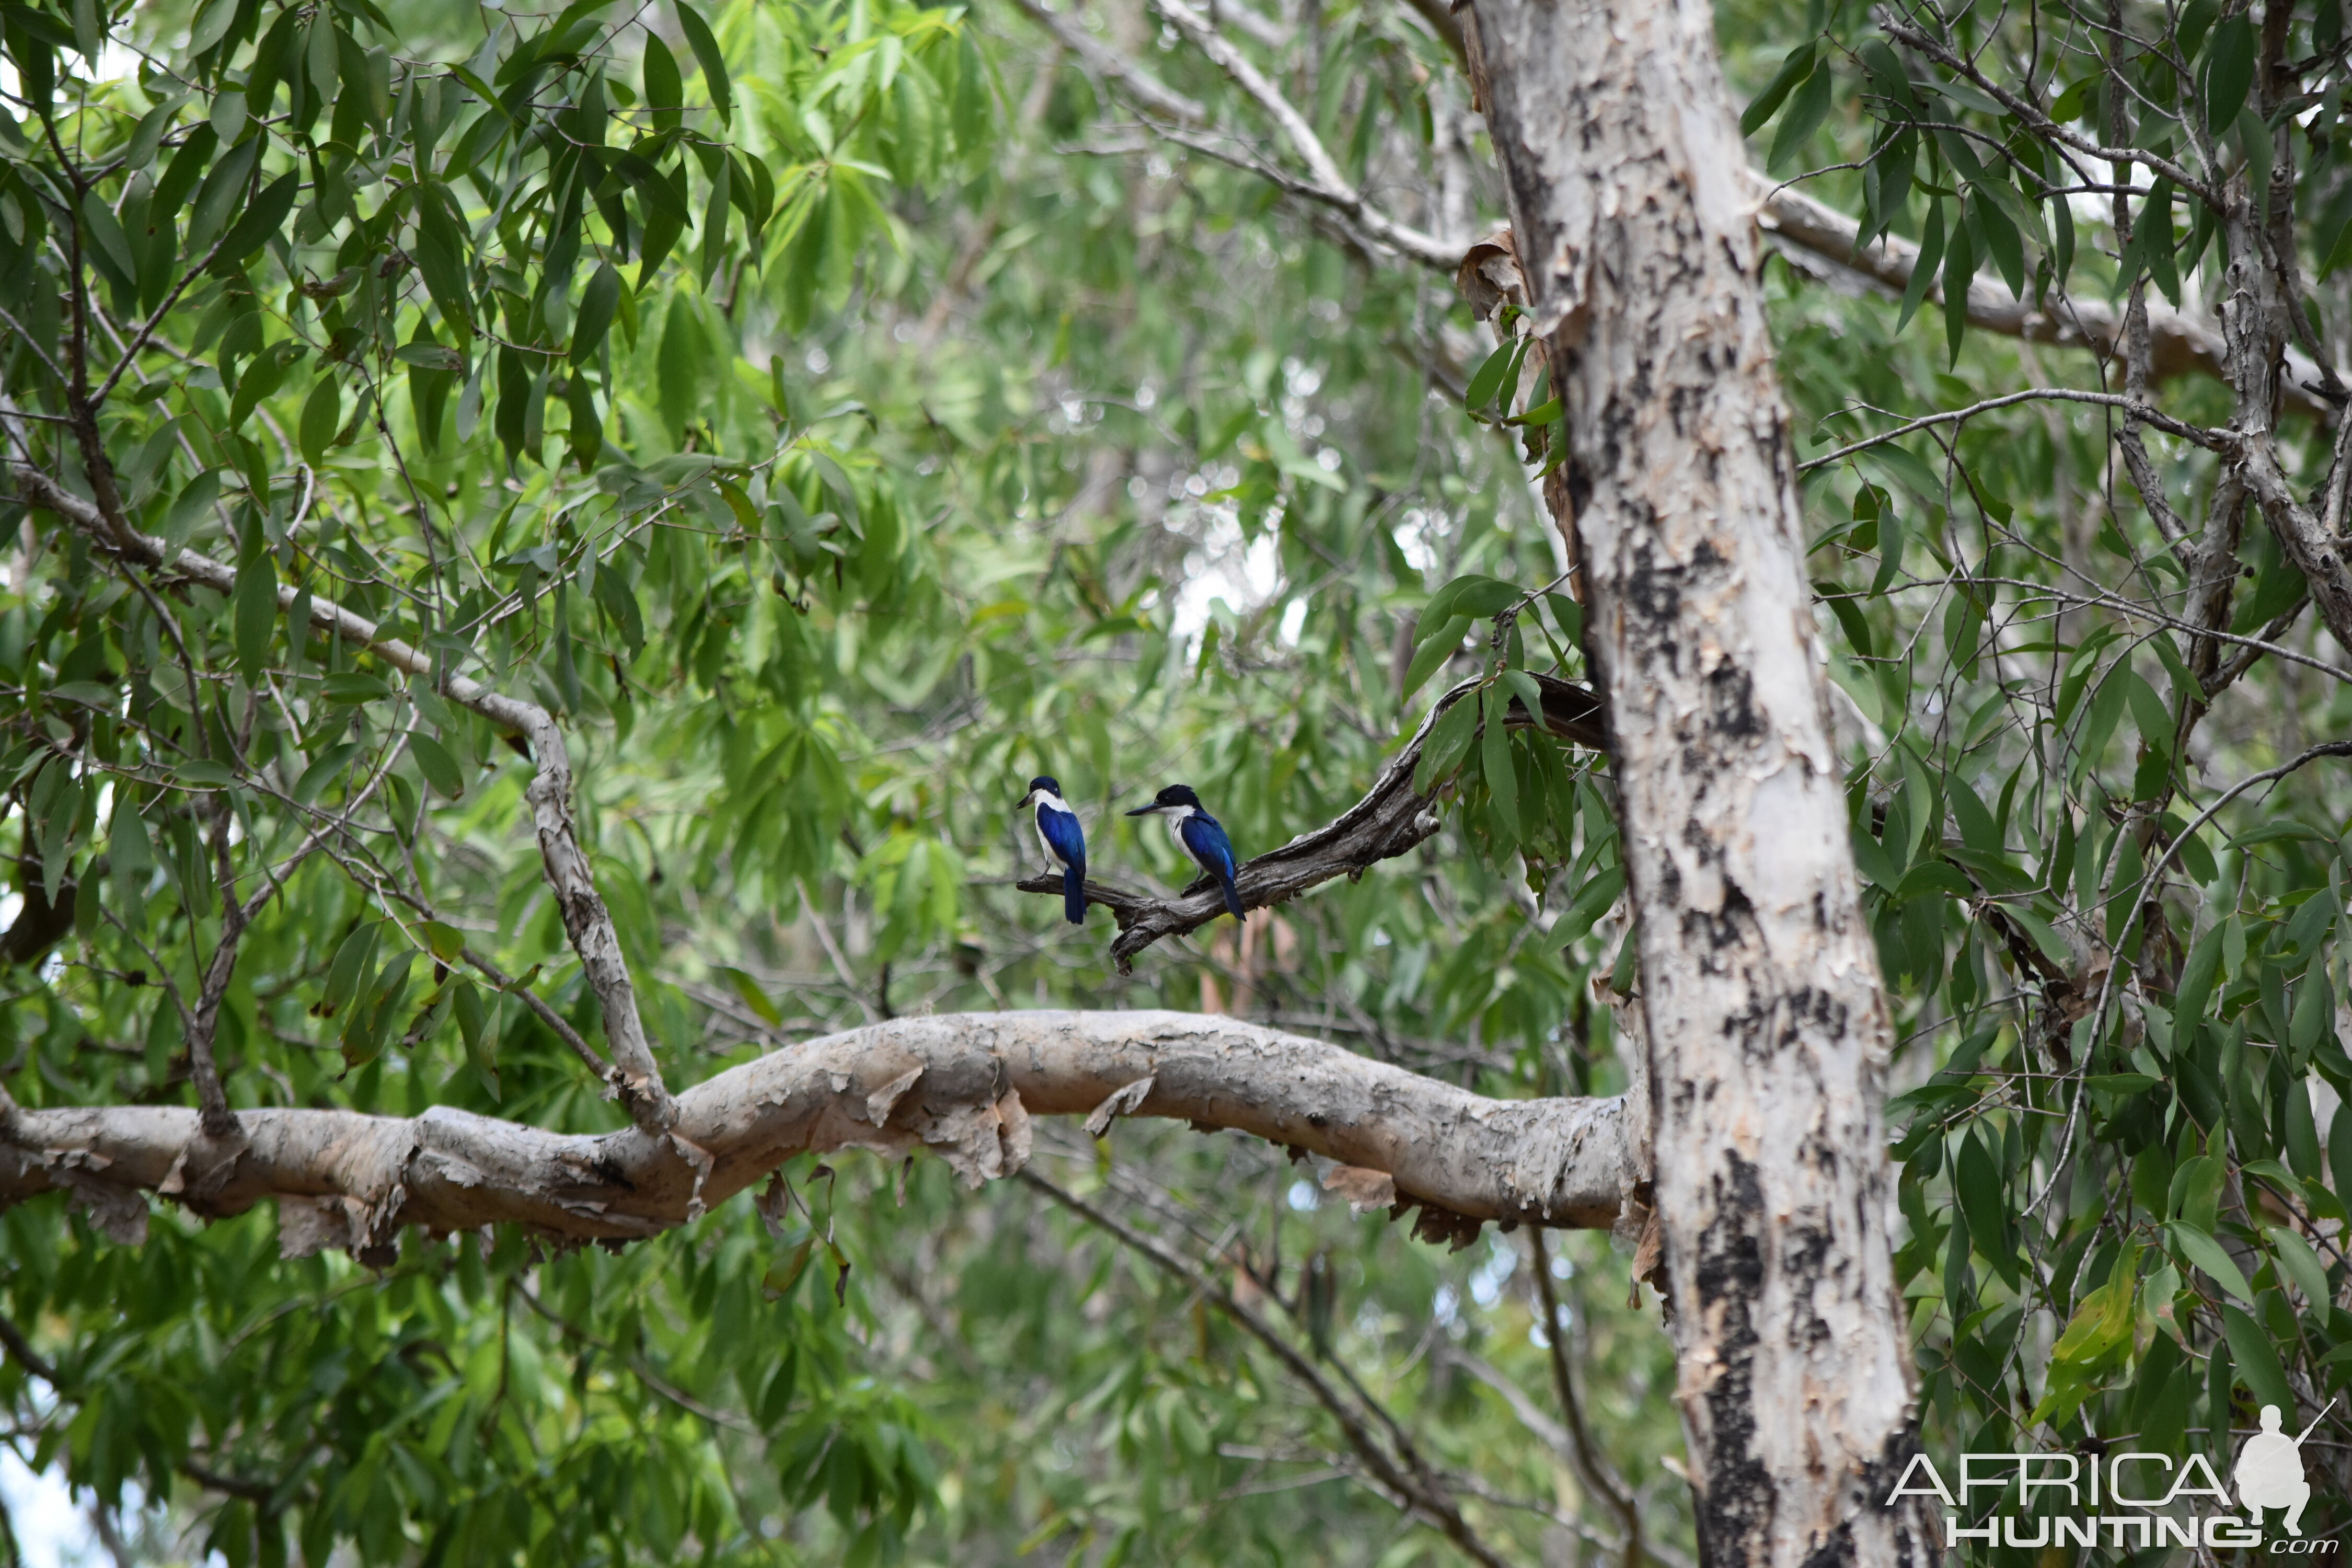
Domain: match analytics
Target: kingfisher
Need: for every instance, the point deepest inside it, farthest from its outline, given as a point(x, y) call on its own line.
point(1064, 842)
point(1202, 837)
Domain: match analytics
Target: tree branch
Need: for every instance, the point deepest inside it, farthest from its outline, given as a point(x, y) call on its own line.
point(2132, 407)
point(1389, 821)
point(2315, 554)
point(636, 1077)
point(964, 1086)
point(2179, 344)
point(1146, 90)
point(2030, 113)
point(1331, 182)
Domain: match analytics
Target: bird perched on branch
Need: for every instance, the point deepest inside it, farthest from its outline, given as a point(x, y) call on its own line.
point(1065, 841)
point(1202, 837)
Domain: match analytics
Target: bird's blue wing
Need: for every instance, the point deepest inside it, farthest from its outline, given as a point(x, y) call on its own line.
point(1063, 835)
point(1205, 837)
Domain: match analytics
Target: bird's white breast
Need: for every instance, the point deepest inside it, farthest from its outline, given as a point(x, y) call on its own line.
point(1176, 816)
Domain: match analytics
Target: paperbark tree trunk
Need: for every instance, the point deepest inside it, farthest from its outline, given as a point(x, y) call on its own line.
point(1637, 235)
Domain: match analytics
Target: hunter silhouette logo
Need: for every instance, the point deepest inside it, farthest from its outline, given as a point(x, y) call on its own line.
point(2270, 1471)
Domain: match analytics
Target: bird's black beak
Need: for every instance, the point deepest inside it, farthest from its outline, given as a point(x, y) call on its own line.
point(1144, 810)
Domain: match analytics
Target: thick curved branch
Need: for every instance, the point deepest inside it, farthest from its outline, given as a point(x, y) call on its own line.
point(635, 1077)
point(2178, 343)
point(964, 1086)
point(1389, 820)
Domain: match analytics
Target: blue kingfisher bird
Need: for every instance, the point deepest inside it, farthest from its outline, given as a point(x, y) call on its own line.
point(1202, 837)
point(1064, 842)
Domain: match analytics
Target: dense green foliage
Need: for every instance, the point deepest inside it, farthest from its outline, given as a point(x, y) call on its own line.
point(835, 414)
point(838, 415)
point(2123, 1181)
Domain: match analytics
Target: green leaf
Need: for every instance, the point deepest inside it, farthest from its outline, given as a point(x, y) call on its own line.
point(261, 378)
point(2300, 1264)
point(228, 116)
point(343, 974)
point(753, 996)
point(446, 942)
point(1594, 900)
point(1808, 107)
point(2122, 1082)
point(1569, 616)
point(786, 1272)
point(86, 694)
point(322, 415)
point(1906, 469)
point(1796, 68)
point(439, 768)
point(257, 614)
point(1430, 652)
point(1923, 270)
point(1494, 756)
point(326, 768)
point(1487, 379)
point(2229, 72)
point(597, 303)
point(1931, 877)
point(714, 222)
point(2314, 1012)
point(355, 686)
point(427, 355)
point(665, 89)
point(1977, 1182)
point(2255, 1358)
point(107, 237)
point(1888, 76)
point(1959, 270)
point(1448, 743)
point(1473, 597)
point(481, 1041)
point(190, 506)
point(440, 252)
point(365, 1030)
point(2198, 1249)
point(2001, 236)
point(705, 44)
point(261, 221)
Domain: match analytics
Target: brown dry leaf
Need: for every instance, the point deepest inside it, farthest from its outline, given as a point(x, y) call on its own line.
point(1364, 1190)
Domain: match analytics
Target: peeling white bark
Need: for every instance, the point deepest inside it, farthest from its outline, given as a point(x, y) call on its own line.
point(1635, 229)
point(962, 1085)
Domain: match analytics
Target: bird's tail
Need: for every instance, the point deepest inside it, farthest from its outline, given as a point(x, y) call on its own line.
point(1233, 896)
point(1073, 893)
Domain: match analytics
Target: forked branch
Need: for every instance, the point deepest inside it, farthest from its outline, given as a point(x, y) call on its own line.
point(1389, 820)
